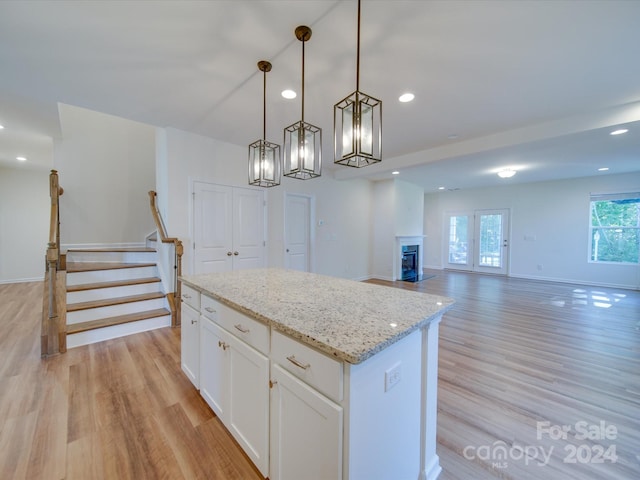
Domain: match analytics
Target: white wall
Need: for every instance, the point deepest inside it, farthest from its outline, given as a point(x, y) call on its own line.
point(24, 223)
point(342, 242)
point(555, 213)
point(106, 166)
point(398, 210)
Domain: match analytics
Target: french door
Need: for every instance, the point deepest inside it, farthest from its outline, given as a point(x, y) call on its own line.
point(478, 241)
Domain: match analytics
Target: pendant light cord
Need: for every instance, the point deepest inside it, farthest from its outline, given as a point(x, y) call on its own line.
point(264, 107)
point(358, 53)
point(303, 42)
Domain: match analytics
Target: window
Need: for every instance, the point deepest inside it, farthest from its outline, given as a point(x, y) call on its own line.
point(614, 231)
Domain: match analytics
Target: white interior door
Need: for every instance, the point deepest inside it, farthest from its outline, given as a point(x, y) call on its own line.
point(248, 228)
point(228, 228)
point(297, 219)
point(478, 241)
point(212, 227)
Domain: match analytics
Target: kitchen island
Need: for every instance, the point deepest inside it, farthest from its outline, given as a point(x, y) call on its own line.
point(317, 377)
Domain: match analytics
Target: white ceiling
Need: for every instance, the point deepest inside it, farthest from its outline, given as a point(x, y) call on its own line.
point(537, 85)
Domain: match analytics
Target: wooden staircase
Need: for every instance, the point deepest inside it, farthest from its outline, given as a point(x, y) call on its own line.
point(111, 293)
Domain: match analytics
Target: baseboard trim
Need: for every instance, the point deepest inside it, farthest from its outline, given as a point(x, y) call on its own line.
point(22, 280)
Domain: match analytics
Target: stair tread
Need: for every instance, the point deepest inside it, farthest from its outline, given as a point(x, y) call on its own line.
point(118, 320)
point(73, 267)
point(114, 283)
point(74, 307)
point(122, 249)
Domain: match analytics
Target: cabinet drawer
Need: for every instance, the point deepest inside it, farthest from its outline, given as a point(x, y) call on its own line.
point(210, 308)
point(247, 329)
point(190, 296)
point(317, 369)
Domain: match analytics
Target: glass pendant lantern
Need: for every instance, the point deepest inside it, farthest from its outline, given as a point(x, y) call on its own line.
point(264, 156)
point(302, 140)
point(357, 124)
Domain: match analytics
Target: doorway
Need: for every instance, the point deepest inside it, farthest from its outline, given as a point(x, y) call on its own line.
point(298, 226)
point(477, 241)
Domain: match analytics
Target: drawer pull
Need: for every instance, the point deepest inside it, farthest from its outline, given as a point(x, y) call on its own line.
point(223, 344)
point(193, 321)
point(210, 310)
point(242, 329)
point(186, 295)
point(297, 363)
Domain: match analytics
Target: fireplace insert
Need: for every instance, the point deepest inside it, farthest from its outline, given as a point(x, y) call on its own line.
point(411, 263)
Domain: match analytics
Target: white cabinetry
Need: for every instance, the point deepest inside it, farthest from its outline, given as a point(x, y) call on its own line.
point(190, 335)
point(306, 431)
point(234, 377)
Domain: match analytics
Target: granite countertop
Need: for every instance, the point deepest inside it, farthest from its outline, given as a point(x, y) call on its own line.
point(346, 319)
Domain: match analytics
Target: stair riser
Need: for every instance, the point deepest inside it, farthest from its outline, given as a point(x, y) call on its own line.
point(112, 292)
point(94, 276)
point(114, 310)
point(111, 257)
point(115, 331)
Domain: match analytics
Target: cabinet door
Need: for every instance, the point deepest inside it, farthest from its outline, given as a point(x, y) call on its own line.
point(249, 402)
point(306, 431)
point(214, 367)
point(189, 344)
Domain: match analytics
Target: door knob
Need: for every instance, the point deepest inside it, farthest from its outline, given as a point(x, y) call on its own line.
point(287, 250)
point(229, 254)
point(236, 253)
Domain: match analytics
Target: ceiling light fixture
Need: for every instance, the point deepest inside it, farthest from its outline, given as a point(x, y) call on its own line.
point(506, 173)
point(603, 169)
point(357, 124)
point(302, 141)
point(406, 97)
point(619, 131)
point(264, 156)
point(21, 159)
point(289, 94)
point(395, 172)
point(1, 127)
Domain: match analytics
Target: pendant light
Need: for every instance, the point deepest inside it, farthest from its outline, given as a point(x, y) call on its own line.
point(357, 125)
point(264, 156)
point(302, 141)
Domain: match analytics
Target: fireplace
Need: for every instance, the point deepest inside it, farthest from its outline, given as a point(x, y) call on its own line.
point(411, 271)
point(405, 244)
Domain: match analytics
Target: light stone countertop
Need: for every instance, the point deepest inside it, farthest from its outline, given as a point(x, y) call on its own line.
point(346, 319)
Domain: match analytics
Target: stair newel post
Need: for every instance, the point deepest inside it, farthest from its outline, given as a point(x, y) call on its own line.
point(51, 332)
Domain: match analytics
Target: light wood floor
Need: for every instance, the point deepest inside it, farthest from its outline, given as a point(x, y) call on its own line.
point(512, 353)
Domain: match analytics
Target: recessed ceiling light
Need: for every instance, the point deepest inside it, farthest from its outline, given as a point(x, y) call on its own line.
point(21, 159)
point(395, 172)
point(603, 169)
point(441, 188)
point(1, 127)
point(506, 173)
point(406, 97)
point(619, 131)
point(289, 94)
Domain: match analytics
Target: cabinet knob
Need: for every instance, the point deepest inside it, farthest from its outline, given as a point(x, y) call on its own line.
point(223, 344)
point(193, 321)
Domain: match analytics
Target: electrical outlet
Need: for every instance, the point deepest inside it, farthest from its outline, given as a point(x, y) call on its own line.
point(392, 377)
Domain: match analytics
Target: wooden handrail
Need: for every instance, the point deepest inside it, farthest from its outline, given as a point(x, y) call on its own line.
point(52, 341)
point(177, 266)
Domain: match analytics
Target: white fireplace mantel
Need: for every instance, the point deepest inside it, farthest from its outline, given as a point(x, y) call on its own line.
point(401, 241)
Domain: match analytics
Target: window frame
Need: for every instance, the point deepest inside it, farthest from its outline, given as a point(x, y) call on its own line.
point(607, 197)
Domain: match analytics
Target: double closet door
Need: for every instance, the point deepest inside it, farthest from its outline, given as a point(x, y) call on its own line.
point(228, 228)
point(477, 241)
